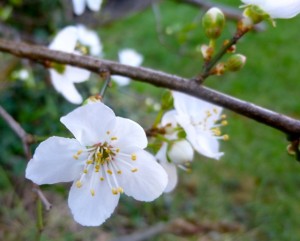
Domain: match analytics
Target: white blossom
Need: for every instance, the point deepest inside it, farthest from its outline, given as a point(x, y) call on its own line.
point(129, 57)
point(277, 8)
point(64, 77)
point(201, 121)
point(105, 159)
point(79, 5)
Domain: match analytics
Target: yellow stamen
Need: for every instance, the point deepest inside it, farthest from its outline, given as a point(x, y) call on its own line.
point(101, 178)
point(114, 191)
point(119, 172)
point(79, 152)
point(134, 170)
point(79, 184)
point(226, 137)
point(75, 157)
point(109, 172)
point(223, 116)
point(108, 132)
point(120, 190)
point(93, 192)
point(114, 138)
point(89, 162)
point(215, 111)
point(118, 150)
point(85, 171)
point(133, 156)
point(224, 123)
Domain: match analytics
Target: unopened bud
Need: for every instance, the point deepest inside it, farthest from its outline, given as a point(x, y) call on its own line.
point(235, 62)
point(181, 152)
point(213, 22)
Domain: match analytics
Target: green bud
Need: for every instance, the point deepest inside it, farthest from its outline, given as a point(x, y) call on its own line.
point(255, 13)
point(235, 62)
point(213, 23)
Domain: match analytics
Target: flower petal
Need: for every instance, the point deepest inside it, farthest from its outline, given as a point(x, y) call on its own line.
point(79, 6)
point(89, 38)
point(121, 80)
point(148, 182)
point(76, 75)
point(128, 133)
point(65, 40)
point(169, 168)
point(169, 118)
point(94, 5)
point(89, 210)
point(53, 161)
point(89, 123)
point(64, 86)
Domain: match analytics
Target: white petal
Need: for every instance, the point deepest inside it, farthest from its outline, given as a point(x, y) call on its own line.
point(171, 171)
point(63, 85)
point(89, 38)
point(94, 5)
point(148, 182)
point(121, 80)
point(203, 142)
point(91, 210)
point(53, 161)
point(76, 75)
point(169, 168)
point(89, 123)
point(65, 40)
point(277, 8)
point(169, 118)
point(130, 57)
point(128, 133)
point(79, 6)
point(181, 152)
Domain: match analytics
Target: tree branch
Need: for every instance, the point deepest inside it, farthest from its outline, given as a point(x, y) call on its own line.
point(42, 54)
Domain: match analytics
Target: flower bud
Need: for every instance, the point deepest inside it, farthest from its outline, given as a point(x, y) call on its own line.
point(213, 22)
point(181, 152)
point(235, 62)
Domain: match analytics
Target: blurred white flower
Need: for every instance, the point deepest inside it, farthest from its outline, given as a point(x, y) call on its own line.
point(63, 77)
point(79, 5)
point(129, 57)
point(201, 122)
point(277, 8)
point(105, 159)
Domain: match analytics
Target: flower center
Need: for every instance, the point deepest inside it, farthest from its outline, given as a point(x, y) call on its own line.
point(103, 164)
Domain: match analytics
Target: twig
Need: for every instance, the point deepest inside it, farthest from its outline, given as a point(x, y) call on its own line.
point(42, 197)
point(273, 119)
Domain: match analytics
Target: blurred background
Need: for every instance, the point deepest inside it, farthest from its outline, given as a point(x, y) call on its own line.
point(251, 194)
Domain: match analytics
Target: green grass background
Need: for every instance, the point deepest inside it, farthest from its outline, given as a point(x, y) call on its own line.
point(256, 184)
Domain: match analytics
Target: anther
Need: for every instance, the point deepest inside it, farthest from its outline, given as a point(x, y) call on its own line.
point(226, 137)
point(120, 190)
point(89, 162)
point(108, 132)
point(93, 192)
point(223, 116)
point(119, 172)
point(85, 171)
point(118, 150)
point(101, 178)
point(134, 170)
point(75, 157)
point(79, 184)
point(114, 191)
point(109, 171)
point(114, 138)
point(79, 152)
point(133, 156)
point(224, 123)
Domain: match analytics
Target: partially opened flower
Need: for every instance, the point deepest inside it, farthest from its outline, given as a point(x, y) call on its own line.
point(201, 122)
point(174, 152)
point(277, 8)
point(105, 159)
point(128, 57)
point(79, 5)
point(64, 77)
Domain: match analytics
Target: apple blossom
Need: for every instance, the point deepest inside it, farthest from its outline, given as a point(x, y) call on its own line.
point(128, 57)
point(105, 159)
point(79, 5)
point(277, 8)
point(64, 77)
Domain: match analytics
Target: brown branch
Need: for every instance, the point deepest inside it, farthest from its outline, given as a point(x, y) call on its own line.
point(26, 139)
point(41, 54)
